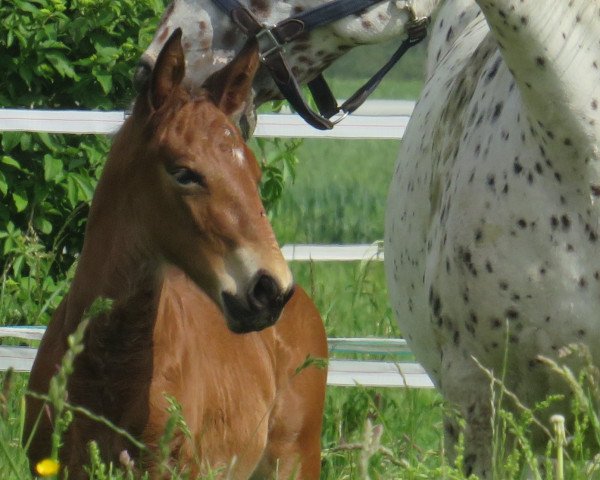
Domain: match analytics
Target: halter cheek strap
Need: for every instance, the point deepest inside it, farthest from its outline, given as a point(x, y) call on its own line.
point(272, 38)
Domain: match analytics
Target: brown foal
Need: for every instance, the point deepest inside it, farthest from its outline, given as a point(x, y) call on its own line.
point(178, 238)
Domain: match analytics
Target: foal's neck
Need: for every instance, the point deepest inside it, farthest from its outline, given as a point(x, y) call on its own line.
point(113, 373)
point(112, 265)
point(116, 261)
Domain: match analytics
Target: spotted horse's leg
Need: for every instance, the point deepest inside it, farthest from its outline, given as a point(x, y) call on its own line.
point(467, 388)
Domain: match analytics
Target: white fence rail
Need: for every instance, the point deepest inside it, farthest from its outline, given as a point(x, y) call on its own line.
point(332, 253)
point(341, 372)
point(374, 120)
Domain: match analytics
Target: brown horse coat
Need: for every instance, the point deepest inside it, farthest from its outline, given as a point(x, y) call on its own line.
point(177, 237)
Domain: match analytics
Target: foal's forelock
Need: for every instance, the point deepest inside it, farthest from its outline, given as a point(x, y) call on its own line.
point(187, 117)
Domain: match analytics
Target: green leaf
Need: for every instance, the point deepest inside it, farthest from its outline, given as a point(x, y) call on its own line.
point(106, 54)
point(26, 7)
point(53, 169)
point(105, 82)
point(48, 141)
point(79, 27)
point(84, 187)
point(3, 184)
point(61, 64)
point(42, 225)
point(53, 44)
point(10, 161)
point(8, 245)
point(20, 201)
point(10, 140)
point(26, 74)
point(72, 191)
point(25, 141)
point(18, 265)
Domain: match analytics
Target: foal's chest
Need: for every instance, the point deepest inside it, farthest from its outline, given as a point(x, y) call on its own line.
point(224, 384)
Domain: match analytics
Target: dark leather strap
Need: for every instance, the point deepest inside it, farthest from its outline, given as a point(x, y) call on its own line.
point(271, 39)
point(319, 16)
point(323, 97)
point(286, 30)
point(416, 33)
point(289, 88)
point(291, 91)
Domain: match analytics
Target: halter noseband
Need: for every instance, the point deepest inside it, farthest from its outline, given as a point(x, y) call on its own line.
point(272, 38)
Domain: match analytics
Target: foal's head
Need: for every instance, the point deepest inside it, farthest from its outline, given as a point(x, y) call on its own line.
point(199, 200)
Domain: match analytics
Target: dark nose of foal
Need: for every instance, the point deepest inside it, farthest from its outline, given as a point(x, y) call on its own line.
point(265, 293)
point(265, 300)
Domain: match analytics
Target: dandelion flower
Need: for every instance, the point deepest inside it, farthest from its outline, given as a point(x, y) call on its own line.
point(47, 467)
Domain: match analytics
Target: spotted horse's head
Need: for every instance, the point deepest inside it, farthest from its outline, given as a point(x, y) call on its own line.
point(211, 39)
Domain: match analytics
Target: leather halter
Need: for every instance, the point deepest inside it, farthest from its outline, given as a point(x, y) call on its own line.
point(272, 38)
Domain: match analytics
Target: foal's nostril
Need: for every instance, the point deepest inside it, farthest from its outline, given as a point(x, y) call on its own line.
point(142, 74)
point(261, 307)
point(265, 293)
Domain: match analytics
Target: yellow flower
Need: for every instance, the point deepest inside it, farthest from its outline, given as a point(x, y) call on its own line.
point(47, 467)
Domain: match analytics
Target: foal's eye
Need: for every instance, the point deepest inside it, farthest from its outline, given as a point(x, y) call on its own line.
point(187, 177)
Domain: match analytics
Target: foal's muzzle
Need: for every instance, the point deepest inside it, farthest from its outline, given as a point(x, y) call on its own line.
point(259, 308)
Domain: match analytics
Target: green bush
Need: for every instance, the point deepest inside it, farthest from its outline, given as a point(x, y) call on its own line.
point(59, 54)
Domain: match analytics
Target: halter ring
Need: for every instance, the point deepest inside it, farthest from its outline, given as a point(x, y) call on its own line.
point(342, 114)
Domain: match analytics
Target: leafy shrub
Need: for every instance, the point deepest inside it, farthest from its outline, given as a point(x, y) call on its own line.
point(67, 54)
point(58, 54)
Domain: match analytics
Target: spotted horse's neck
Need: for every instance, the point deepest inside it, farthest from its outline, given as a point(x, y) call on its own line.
point(211, 39)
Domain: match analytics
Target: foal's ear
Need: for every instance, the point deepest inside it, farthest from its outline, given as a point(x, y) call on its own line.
point(169, 70)
point(231, 86)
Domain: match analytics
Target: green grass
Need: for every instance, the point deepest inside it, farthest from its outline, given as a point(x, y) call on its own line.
point(411, 421)
point(340, 192)
point(12, 456)
point(351, 298)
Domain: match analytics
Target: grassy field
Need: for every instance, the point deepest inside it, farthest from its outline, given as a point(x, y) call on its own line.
point(404, 81)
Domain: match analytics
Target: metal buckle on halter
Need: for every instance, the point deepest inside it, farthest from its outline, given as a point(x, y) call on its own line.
point(267, 43)
point(342, 114)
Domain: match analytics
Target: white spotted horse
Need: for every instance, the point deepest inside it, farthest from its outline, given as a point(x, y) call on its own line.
point(492, 223)
point(493, 212)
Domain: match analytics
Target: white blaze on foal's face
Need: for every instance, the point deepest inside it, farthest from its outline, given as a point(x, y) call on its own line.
point(243, 263)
